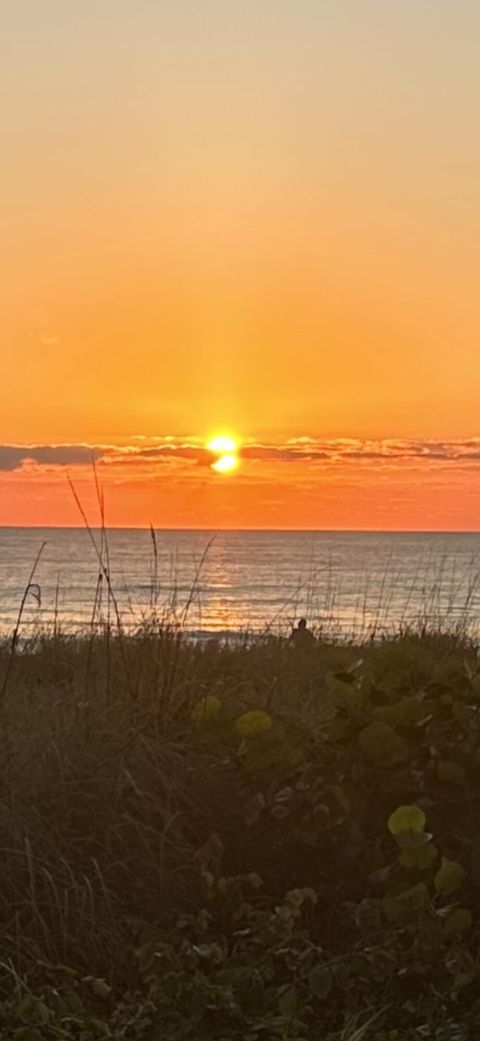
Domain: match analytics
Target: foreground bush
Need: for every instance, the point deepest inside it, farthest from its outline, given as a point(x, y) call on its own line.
point(256, 842)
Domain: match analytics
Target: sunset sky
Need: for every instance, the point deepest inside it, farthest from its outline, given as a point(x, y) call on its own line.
point(252, 217)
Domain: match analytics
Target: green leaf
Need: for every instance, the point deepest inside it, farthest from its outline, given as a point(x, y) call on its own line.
point(407, 819)
point(100, 1028)
point(320, 981)
point(73, 1001)
point(341, 974)
point(407, 712)
point(206, 710)
point(416, 896)
point(406, 840)
point(24, 1006)
point(342, 690)
point(421, 857)
point(43, 1012)
point(449, 877)
point(430, 928)
point(269, 752)
point(101, 989)
point(404, 906)
point(458, 921)
point(381, 745)
point(253, 723)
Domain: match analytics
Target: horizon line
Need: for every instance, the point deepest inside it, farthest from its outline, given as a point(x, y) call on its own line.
point(253, 529)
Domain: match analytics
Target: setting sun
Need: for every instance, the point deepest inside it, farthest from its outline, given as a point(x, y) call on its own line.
point(226, 448)
point(226, 464)
point(222, 444)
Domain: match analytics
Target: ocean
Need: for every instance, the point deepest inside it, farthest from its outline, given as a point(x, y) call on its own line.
point(349, 583)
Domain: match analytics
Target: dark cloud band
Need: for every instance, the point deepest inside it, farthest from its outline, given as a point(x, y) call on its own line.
point(12, 457)
point(296, 450)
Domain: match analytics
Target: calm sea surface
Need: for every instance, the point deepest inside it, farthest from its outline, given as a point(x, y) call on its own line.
point(216, 581)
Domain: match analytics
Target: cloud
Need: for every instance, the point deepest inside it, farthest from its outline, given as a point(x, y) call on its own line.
point(283, 453)
point(12, 457)
point(157, 453)
point(300, 450)
point(337, 450)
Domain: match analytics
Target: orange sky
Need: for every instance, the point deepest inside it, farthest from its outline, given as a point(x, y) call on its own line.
point(255, 217)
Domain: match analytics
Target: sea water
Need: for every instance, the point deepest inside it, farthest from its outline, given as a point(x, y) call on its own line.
point(349, 583)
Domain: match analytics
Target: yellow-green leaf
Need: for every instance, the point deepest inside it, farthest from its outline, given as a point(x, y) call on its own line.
point(207, 709)
point(381, 745)
point(341, 690)
point(100, 1028)
point(458, 921)
point(449, 876)
point(421, 857)
point(101, 989)
point(253, 723)
point(407, 819)
point(416, 896)
point(43, 1012)
point(406, 712)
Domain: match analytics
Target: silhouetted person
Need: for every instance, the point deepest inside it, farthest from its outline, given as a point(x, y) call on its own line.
point(301, 635)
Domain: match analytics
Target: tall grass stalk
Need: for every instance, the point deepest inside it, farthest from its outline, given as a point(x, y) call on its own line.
point(31, 589)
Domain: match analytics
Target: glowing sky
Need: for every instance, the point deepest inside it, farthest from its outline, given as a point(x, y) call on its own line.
point(260, 217)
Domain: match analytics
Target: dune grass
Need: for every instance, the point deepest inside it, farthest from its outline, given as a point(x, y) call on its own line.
point(194, 840)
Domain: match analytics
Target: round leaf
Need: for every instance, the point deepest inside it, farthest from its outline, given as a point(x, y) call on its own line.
point(207, 709)
point(407, 819)
point(449, 877)
point(381, 745)
point(101, 989)
point(320, 981)
point(459, 921)
point(417, 896)
point(421, 857)
point(253, 723)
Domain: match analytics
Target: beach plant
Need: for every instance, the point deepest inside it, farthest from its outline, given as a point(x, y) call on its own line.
point(244, 845)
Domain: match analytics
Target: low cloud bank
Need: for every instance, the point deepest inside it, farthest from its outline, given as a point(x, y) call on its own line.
point(295, 450)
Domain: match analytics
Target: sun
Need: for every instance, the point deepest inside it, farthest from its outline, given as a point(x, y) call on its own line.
point(225, 464)
point(225, 448)
point(222, 444)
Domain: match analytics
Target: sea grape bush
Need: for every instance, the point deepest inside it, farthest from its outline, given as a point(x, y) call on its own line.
point(265, 844)
point(322, 801)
